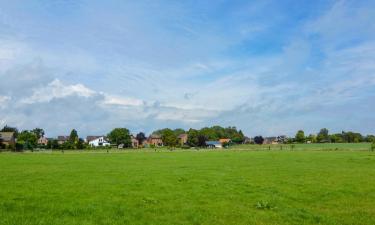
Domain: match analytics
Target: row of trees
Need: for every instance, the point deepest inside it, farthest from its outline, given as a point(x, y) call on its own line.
point(324, 137)
point(28, 139)
point(198, 138)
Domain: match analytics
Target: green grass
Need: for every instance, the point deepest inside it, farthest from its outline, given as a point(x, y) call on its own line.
point(189, 187)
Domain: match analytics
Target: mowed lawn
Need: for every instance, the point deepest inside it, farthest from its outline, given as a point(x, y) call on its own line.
point(188, 187)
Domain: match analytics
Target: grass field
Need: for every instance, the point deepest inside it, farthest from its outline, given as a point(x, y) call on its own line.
point(303, 186)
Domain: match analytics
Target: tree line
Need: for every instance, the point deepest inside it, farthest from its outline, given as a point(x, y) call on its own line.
point(323, 136)
point(198, 137)
point(28, 139)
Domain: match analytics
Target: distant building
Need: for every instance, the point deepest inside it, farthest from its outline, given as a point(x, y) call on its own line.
point(42, 141)
point(270, 140)
point(247, 140)
point(7, 138)
point(92, 137)
point(282, 139)
point(183, 138)
point(99, 141)
point(155, 139)
point(224, 140)
point(62, 139)
point(214, 144)
point(135, 142)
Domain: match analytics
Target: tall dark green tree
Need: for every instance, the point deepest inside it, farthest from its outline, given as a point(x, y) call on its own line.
point(323, 135)
point(300, 136)
point(80, 144)
point(73, 139)
point(141, 137)
point(258, 140)
point(202, 140)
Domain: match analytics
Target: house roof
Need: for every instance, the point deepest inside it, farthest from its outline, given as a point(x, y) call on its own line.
point(155, 136)
point(222, 140)
point(91, 138)
point(182, 135)
point(97, 137)
point(270, 138)
point(62, 138)
point(6, 136)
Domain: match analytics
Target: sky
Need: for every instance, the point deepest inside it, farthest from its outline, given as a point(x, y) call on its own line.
point(266, 67)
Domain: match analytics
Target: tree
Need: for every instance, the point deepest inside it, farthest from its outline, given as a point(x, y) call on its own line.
point(55, 144)
point(6, 128)
point(373, 146)
point(258, 140)
point(169, 138)
point(141, 137)
point(27, 139)
point(323, 136)
point(80, 144)
point(39, 132)
point(73, 137)
point(238, 137)
point(336, 138)
point(192, 138)
point(352, 137)
point(202, 140)
point(311, 138)
point(73, 140)
point(120, 136)
point(370, 138)
point(300, 136)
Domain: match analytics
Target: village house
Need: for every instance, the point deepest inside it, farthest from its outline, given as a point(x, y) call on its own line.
point(7, 138)
point(62, 139)
point(270, 141)
point(135, 142)
point(282, 139)
point(182, 138)
point(97, 141)
point(247, 140)
point(42, 141)
point(155, 139)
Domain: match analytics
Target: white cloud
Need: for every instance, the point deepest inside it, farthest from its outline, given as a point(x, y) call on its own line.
point(56, 89)
point(122, 101)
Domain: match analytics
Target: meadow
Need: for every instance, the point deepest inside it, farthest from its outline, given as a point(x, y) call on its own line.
point(311, 184)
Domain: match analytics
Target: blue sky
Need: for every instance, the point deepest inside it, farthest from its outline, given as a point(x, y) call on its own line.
point(266, 67)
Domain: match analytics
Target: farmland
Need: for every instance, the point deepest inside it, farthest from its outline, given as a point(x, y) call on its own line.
point(246, 184)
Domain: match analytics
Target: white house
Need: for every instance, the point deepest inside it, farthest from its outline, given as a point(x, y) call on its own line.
point(98, 141)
